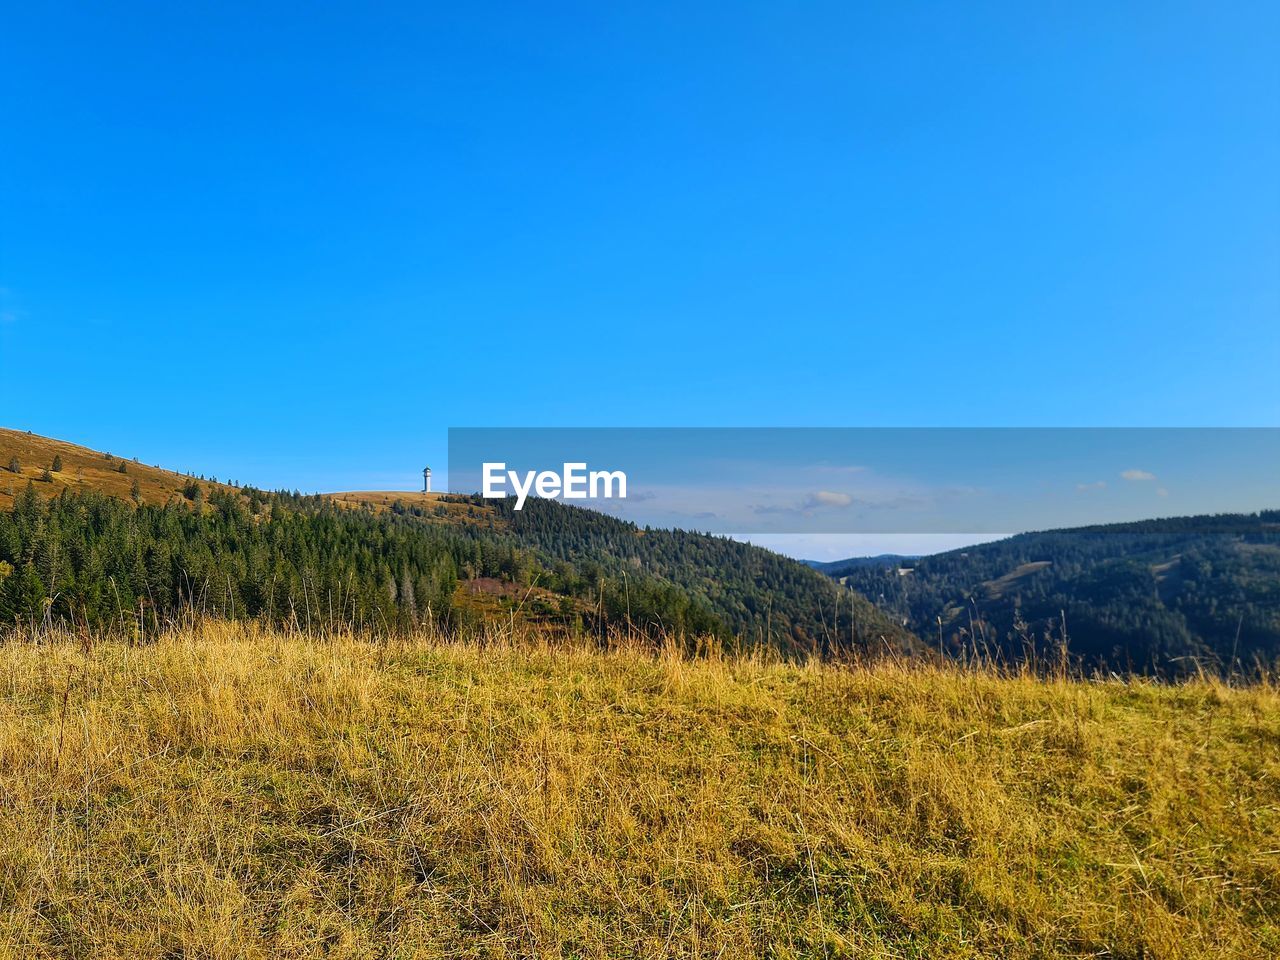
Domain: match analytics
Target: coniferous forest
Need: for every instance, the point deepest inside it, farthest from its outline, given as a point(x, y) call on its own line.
point(101, 562)
point(1161, 596)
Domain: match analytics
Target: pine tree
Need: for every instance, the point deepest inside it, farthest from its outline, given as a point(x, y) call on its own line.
point(27, 593)
point(27, 507)
point(57, 464)
point(408, 602)
point(14, 465)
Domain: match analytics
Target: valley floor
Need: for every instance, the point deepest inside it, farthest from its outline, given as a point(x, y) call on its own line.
point(229, 792)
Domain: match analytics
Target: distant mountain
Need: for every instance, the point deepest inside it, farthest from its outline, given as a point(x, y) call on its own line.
point(1162, 596)
point(756, 594)
point(833, 567)
point(97, 539)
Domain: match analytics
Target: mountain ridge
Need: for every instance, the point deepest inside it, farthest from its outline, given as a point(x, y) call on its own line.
point(1167, 595)
point(115, 536)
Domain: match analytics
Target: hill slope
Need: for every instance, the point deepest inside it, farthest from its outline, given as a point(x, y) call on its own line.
point(381, 561)
point(718, 575)
point(82, 470)
point(1163, 595)
point(224, 794)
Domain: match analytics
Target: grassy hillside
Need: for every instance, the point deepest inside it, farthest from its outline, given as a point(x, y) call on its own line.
point(85, 470)
point(82, 470)
point(441, 507)
point(233, 793)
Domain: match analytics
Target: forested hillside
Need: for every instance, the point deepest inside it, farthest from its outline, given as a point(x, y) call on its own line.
point(760, 595)
point(839, 567)
point(319, 563)
point(1166, 596)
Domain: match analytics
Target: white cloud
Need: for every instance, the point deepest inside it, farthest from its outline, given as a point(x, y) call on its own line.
point(823, 499)
point(1161, 492)
point(827, 498)
point(1137, 475)
point(1098, 485)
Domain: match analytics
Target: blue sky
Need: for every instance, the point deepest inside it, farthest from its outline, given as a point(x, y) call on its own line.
point(294, 244)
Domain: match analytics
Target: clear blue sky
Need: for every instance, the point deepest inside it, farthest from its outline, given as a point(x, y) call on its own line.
point(292, 244)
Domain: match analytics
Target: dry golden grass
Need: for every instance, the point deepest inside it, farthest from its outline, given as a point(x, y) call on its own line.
point(86, 470)
point(232, 792)
point(82, 470)
point(455, 511)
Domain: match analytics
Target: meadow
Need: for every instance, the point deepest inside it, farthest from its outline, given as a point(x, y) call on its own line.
point(233, 791)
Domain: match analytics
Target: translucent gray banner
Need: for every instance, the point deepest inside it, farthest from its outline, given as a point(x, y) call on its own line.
point(772, 480)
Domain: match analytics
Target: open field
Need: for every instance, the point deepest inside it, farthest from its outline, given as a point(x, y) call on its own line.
point(228, 792)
